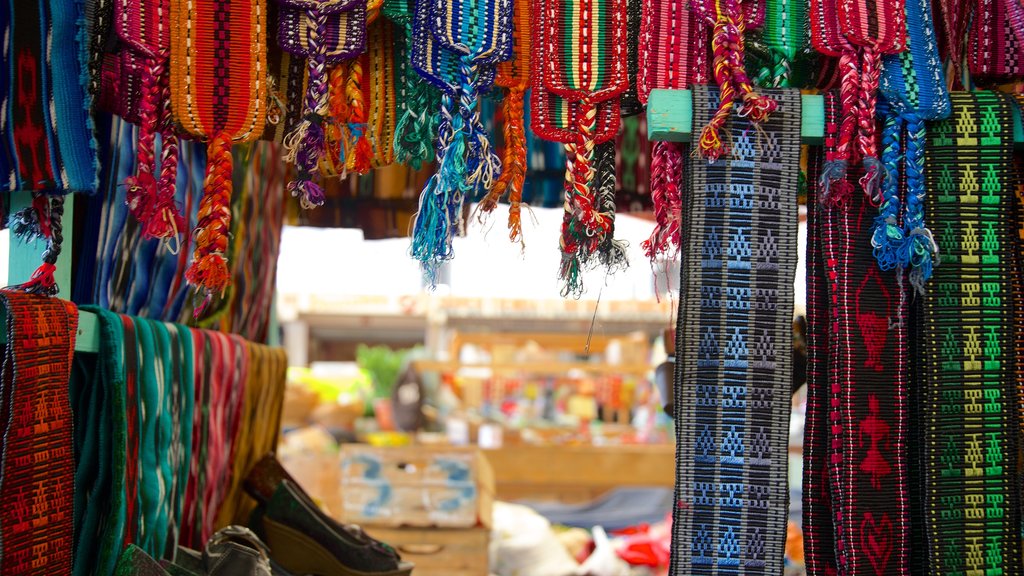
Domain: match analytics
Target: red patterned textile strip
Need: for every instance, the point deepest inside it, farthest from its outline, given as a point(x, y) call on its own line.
point(36, 491)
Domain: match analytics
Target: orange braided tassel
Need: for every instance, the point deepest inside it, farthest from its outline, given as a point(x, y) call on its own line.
point(358, 160)
point(513, 172)
point(333, 162)
point(209, 270)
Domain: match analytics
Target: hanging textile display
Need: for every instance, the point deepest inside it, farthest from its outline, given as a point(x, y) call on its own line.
point(629, 102)
point(969, 411)
point(914, 87)
point(325, 33)
point(666, 50)
point(415, 130)
point(580, 72)
point(514, 76)
point(36, 494)
point(142, 25)
point(459, 58)
point(234, 112)
point(381, 88)
point(817, 526)
point(733, 353)
point(48, 143)
point(868, 377)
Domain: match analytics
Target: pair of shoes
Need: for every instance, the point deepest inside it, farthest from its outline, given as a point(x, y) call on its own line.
point(305, 541)
point(231, 551)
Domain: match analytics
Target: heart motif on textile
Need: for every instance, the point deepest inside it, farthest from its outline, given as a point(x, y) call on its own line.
point(876, 540)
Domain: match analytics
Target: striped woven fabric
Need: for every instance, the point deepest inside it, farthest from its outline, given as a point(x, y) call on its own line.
point(48, 143)
point(995, 51)
point(37, 493)
point(218, 93)
point(818, 528)
point(381, 88)
point(968, 405)
point(868, 388)
point(785, 36)
point(956, 19)
point(344, 38)
point(629, 102)
point(733, 353)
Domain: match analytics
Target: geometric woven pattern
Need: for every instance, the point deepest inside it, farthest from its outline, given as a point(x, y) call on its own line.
point(733, 356)
point(966, 368)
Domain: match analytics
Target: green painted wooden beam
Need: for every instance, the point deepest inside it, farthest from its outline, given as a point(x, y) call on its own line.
point(670, 118)
point(24, 258)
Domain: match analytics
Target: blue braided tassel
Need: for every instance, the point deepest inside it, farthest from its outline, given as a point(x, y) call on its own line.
point(922, 252)
point(441, 200)
point(483, 167)
point(887, 235)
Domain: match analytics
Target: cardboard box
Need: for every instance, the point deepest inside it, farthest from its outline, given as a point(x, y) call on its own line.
point(440, 552)
point(416, 486)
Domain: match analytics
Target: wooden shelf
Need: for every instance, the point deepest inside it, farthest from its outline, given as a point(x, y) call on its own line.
point(556, 368)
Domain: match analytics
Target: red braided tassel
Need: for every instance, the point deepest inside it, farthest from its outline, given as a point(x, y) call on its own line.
point(141, 193)
point(666, 170)
point(209, 270)
point(874, 171)
point(362, 153)
point(166, 221)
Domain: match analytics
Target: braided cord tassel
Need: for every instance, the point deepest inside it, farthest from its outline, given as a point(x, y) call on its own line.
point(835, 188)
point(43, 281)
point(572, 237)
point(922, 252)
point(666, 194)
point(887, 235)
point(874, 172)
point(209, 269)
point(710, 144)
point(433, 227)
point(305, 144)
point(583, 172)
point(755, 106)
point(167, 221)
point(611, 252)
point(358, 160)
point(142, 189)
point(483, 166)
point(513, 172)
point(336, 130)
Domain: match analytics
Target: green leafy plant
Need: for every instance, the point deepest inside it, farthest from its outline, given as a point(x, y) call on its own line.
point(384, 366)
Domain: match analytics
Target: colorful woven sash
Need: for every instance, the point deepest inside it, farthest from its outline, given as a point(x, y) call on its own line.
point(514, 76)
point(325, 33)
point(956, 17)
point(98, 402)
point(994, 42)
point(664, 62)
point(733, 353)
point(629, 102)
point(381, 118)
point(48, 143)
point(818, 528)
point(966, 369)
point(218, 92)
point(144, 27)
point(258, 428)
point(414, 131)
point(37, 488)
point(785, 36)
point(455, 46)
point(868, 396)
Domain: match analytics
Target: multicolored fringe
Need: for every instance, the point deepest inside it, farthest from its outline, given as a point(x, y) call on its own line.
point(914, 87)
point(199, 95)
point(415, 131)
point(143, 26)
point(42, 220)
point(37, 488)
point(969, 410)
point(48, 143)
point(733, 353)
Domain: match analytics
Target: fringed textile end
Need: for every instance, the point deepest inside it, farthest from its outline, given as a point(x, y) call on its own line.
point(440, 203)
point(835, 188)
point(611, 253)
point(360, 156)
point(923, 255)
point(335, 136)
point(209, 269)
point(572, 239)
point(873, 180)
point(887, 234)
point(43, 281)
point(306, 143)
point(666, 180)
point(32, 222)
point(142, 187)
point(482, 165)
point(513, 171)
